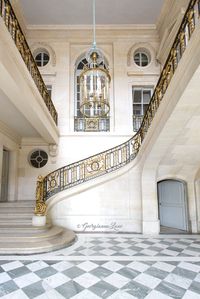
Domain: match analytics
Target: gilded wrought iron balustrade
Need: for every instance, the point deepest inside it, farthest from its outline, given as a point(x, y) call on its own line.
point(98, 124)
point(119, 156)
point(11, 22)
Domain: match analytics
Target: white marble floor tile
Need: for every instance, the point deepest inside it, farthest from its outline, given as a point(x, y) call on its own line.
point(35, 266)
point(191, 295)
point(19, 294)
point(62, 266)
point(107, 251)
point(197, 278)
point(4, 277)
point(189, 266)
point(157, 295)
point(141, 267)
point(52, 294)
point(117, 280)
point(87, 266)
point(86, 280)
point(25, 280)
point(147, 280)
point(178, 280)
point(164, 266)
point(86, 294)
point(112, 266)
point(56, 280)
point(120, 294)
point(12, 265)
point(149, 252)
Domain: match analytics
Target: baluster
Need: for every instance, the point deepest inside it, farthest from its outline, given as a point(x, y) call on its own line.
point(191, 22)
point(74, 174)
point(174, 59)
point(7, 10)
point(124, 154)
point(65, 177)
point(108, 161)
point(115, 157)
point(82, 171)
point(14, 28)
point(182, 41)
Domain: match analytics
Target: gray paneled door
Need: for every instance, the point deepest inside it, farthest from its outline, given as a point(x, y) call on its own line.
point(4, 176)
point(172, 204)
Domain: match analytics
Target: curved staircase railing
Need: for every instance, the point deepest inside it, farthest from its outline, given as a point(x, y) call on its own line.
point(116, 157)
point(8, 15)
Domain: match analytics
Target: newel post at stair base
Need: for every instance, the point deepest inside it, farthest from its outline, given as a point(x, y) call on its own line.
point(39, 219)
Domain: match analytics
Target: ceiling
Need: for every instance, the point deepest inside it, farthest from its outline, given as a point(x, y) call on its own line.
point(79, 12)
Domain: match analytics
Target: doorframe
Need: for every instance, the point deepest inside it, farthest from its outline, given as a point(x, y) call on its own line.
point(188, 228)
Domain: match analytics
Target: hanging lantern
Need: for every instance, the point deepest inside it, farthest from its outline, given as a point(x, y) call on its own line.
point(95, 83)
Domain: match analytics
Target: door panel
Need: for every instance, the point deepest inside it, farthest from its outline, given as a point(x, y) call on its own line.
point(172, 204)
point(4, 178)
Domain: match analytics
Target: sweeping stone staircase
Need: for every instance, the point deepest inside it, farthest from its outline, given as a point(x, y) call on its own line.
point(18, 236)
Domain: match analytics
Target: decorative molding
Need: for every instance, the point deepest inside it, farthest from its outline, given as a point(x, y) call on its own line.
point(33, 142)
point(53, 150)
point(41, 45)
point(89, 27)
point(138, 73)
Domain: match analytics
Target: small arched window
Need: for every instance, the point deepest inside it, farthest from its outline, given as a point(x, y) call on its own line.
point(82, 123)
point(42, 57)
point(141, 57)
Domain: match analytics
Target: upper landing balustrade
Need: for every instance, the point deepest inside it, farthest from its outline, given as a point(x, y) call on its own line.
point(11, 22)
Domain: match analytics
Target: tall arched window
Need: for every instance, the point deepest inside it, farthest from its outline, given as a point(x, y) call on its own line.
point(82, 123)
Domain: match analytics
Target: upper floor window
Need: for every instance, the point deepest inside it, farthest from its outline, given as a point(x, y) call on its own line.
point(82, 123)
point(42, 58)
point(141, 58)
point(141, 98)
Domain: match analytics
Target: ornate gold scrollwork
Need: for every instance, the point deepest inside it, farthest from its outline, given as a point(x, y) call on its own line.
point(40, 207)
point(91, 124)
point(52, 182)
point(95, 165)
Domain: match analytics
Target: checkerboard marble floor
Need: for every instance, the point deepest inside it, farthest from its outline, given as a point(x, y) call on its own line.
point(113, 266)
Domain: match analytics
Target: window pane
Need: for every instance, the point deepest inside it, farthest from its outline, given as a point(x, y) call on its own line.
point(137, 109)
point(137, 96)
point(146, 96)
point(137, 58)
point(144, 59)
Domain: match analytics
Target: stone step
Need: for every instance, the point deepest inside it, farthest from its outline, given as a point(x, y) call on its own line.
point(19, 203)
point(16, 216)
point(18, 228)
point(52, 242)
point(23, 236)
point(18, 236)
point(16, 210)
point(11, 222)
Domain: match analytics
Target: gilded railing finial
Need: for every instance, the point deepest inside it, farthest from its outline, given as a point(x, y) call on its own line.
point(40, 207)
